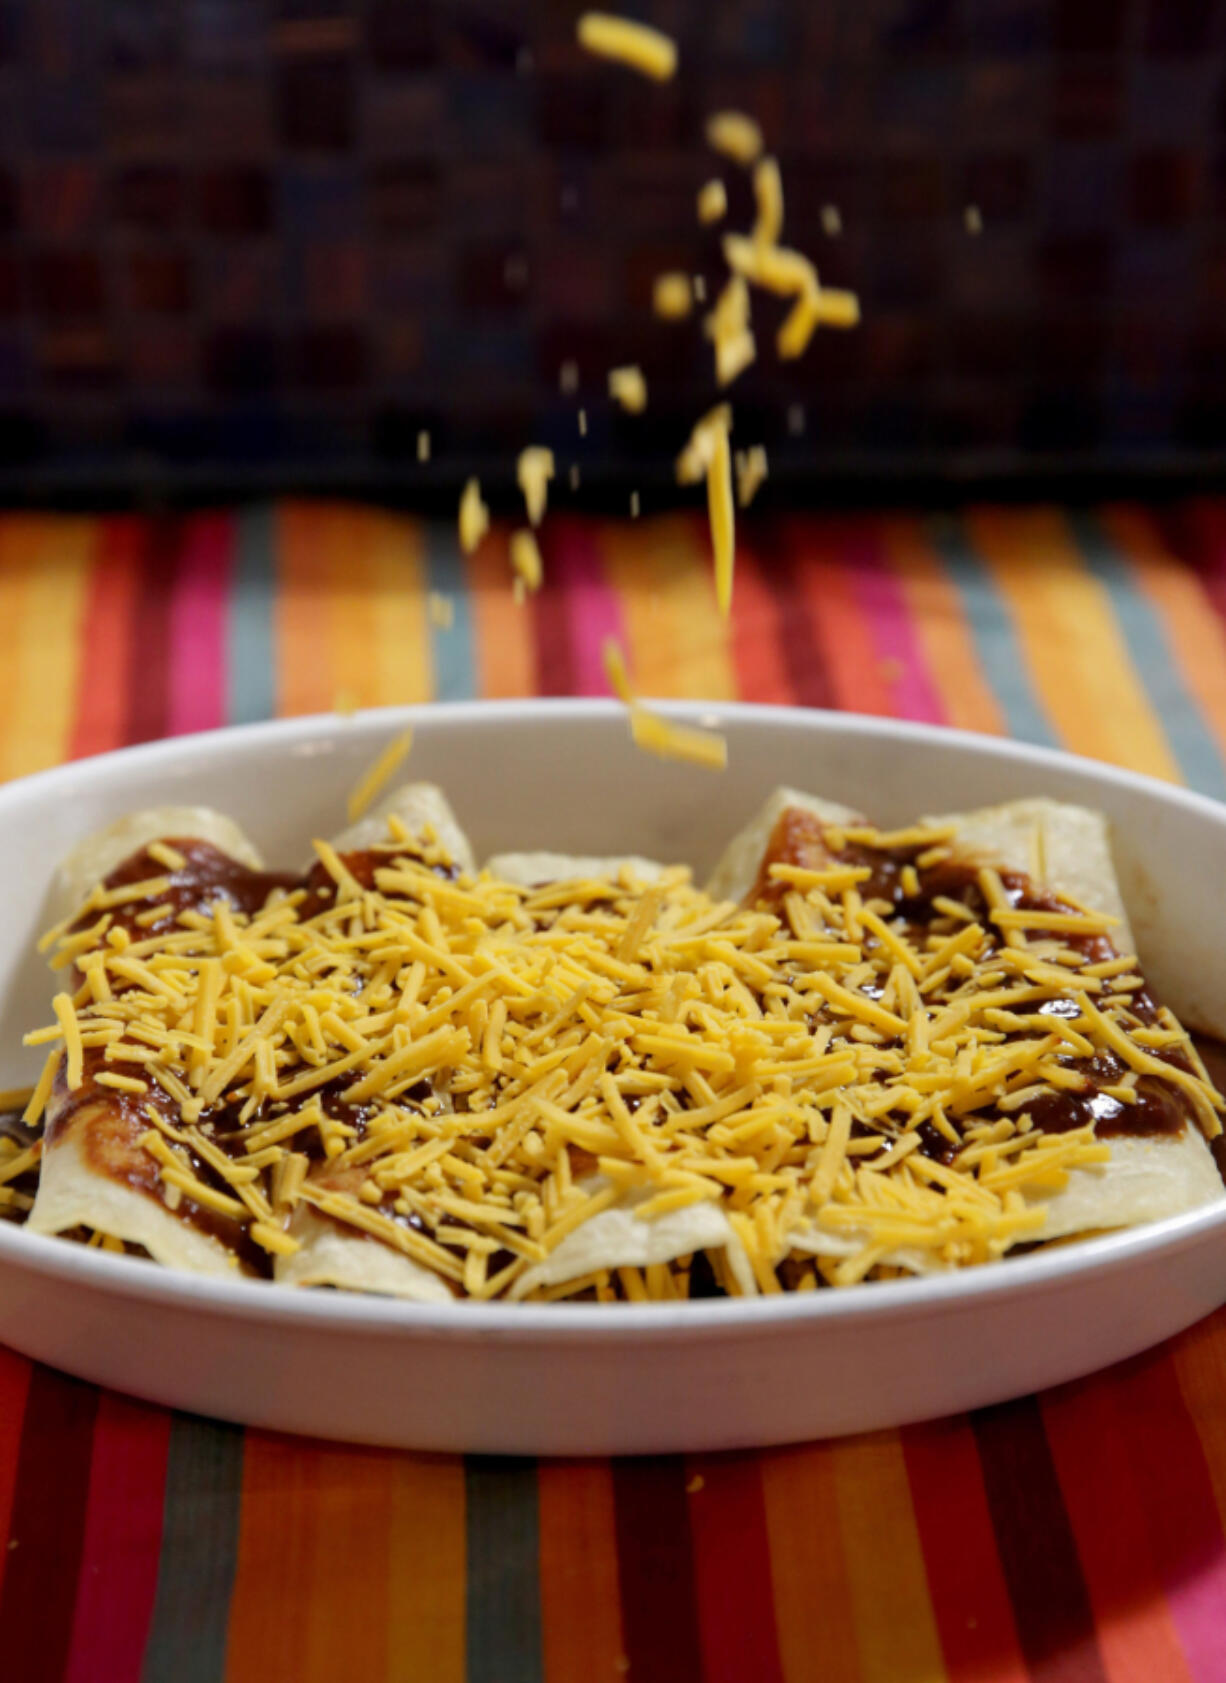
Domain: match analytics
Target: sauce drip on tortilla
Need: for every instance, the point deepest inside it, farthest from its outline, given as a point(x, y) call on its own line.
point(800, 838)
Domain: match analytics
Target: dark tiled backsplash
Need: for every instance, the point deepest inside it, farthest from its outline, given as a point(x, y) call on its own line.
point(280, 239)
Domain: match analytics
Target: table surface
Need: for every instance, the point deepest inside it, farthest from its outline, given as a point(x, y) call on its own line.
point(1069, 1538)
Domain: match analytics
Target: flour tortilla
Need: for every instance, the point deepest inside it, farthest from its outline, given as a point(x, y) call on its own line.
point(618, 1238)
point(420, 807)
point(531, 870)
point(90, 1162)
point(332, 1255)
point(82, 1183)
point(93, 859)
point(741, 860)
point(1066, 849)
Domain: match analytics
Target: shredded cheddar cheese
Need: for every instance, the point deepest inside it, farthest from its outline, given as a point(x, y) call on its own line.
point(474, 517)
point(526, 561)
point(712, 201)
point(735, 135)
point(751, 471)
point(635, 45)
point(720, 509)
point(672, 296)
point(375, 780)
point(655, 734)
point(534, 470)
point(628, 387)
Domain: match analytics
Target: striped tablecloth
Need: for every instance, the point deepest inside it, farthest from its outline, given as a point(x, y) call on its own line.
point(1068, 1538)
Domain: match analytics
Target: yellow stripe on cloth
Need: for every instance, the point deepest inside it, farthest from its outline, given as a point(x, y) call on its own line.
point(1072, 643)
point(679, 644)
point(402, 669)
point(894, 1619)
point(52, 556)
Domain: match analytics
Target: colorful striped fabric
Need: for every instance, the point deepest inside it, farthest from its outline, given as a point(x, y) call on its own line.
point(1075, 1537)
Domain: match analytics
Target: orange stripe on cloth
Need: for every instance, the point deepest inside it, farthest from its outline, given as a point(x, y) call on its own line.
point(941, 628)
point(580, 1596)
point(16, 538)
point(109, 619)
point(970, 1599)
point(757, 636)
point(1093, 1449)
point(307, 678)
point(813, 1608)
point(1072, 644)
point(401, 669)
point(679, 644)
point(895, 1627)
point(505, 658)
point(1194, 630)
point(45, 644)
point(426, 1612)
point(849, 651)
point(1200, 1366)
point(310, 1598)
point(353, 607)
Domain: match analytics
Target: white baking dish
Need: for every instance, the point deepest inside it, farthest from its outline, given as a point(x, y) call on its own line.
point(610, 1379)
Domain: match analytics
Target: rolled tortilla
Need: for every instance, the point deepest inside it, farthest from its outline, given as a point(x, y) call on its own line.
point(1067, 850)
point(618, 1238)
point(94, 1173)
point(421, 807)
point(93, 859)
point(741, 860)
point(330, 1253)
point(532, 870)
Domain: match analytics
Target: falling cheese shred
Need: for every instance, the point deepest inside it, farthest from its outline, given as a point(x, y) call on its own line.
point(655, 734)
point(635, 45)
point(373, 781)
point(736, 135)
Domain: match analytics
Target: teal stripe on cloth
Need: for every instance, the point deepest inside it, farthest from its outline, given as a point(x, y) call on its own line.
point(504, 1591)
point(204, 1478)
point(1182, 722)
point(451, 646)
point(1000, 654)
point(251, 666)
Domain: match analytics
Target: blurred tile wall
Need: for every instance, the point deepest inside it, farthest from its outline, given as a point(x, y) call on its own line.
point(261, 242)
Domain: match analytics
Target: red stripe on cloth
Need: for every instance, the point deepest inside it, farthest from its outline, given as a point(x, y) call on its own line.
point(880, 597)
point(732, 1570)
point(551, 630)
point(45, 1531)
point(775, 642)
point(965, 1580)
point(149, 655)
point(1095, 1449)
point(1180, 1514)
point(593, 611)
point(123, 1536)
point(107, 631)
point(1197, 533)
point(655, 1571)
point(15, 1373)
point(844, 636)
point(1055, 1623)
point(197, 677)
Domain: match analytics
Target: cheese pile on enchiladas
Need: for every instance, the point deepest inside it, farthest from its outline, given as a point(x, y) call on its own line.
point(856, 1054)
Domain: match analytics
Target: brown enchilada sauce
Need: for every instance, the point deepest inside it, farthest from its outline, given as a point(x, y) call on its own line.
point(799, 838)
